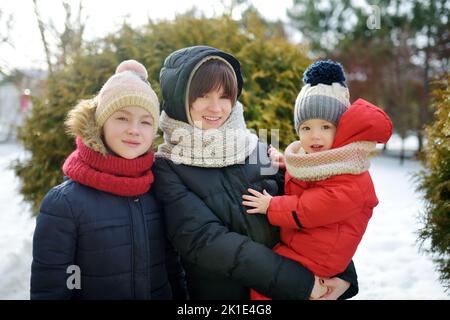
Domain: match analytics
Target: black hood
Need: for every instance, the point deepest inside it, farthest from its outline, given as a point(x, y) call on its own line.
point(175, 73)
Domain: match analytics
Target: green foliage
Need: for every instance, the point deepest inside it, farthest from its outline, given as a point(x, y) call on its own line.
point(435, 182)
point(272, 69)
point(323, 22)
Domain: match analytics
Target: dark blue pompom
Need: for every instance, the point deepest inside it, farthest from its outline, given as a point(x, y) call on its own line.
point(324, 71)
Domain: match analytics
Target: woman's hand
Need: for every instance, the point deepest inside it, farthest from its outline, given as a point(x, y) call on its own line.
point(276, 157)
point(336, 287)
point(319, 290)
point(259, 201)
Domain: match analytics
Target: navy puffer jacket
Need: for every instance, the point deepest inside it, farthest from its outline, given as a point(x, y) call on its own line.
point(118, 243)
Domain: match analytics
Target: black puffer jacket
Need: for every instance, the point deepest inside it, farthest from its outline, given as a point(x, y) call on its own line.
point(224, 250)
point(117, 242)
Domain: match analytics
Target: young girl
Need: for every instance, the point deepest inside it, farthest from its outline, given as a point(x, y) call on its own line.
point(329, 194)
point(100, 234)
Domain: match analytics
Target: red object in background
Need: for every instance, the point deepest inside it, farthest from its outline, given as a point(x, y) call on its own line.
point(25, 100)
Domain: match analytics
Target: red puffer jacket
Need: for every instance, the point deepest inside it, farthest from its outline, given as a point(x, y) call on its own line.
point(322, 222)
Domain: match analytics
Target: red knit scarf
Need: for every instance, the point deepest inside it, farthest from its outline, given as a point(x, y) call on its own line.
point(119, 176)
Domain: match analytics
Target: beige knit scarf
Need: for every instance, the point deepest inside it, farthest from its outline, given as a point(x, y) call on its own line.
point(352, 158)
point(230, 144)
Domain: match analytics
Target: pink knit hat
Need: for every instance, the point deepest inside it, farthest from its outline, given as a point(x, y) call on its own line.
point(127, 87)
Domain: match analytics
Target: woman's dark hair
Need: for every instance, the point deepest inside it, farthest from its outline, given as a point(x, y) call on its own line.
point(212, 75)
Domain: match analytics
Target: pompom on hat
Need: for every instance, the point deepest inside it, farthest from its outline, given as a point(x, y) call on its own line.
point(324, 95)
point(127, 87)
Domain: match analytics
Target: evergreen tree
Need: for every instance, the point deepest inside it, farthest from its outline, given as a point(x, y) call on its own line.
point(435, 182)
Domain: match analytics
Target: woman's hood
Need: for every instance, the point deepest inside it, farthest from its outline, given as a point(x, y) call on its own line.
point(175, 73)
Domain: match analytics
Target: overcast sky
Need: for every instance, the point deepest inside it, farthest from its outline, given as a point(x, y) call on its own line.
point(103, 16)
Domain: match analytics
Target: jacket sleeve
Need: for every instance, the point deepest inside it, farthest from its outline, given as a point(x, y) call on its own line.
point(176, 273)
point(328, 203)
point(203, 239)
point(349, 275)
point(54, 245)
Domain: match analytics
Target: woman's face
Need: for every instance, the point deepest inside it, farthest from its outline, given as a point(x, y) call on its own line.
point(128, 132)
point(211, 110)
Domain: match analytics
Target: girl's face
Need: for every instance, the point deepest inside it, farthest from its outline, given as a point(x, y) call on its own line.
point(316, 135)
point(128, 132)
point(211, 110)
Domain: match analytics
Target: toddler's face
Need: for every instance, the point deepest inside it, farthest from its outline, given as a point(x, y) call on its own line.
point(316, 135)
point(128, 132)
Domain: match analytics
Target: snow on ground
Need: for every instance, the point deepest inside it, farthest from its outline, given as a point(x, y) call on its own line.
point(16, 230)
point(388, 262)
point(409, 143)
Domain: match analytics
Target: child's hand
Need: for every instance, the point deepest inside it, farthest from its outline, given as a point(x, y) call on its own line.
point(336, 287)
point(319, 290)
point(259, 201)
point(276, 157)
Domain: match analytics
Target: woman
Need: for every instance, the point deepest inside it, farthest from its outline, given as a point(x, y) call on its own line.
point(207, 161)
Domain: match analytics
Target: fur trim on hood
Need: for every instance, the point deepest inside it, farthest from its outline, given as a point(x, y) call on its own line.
point(81, 122)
